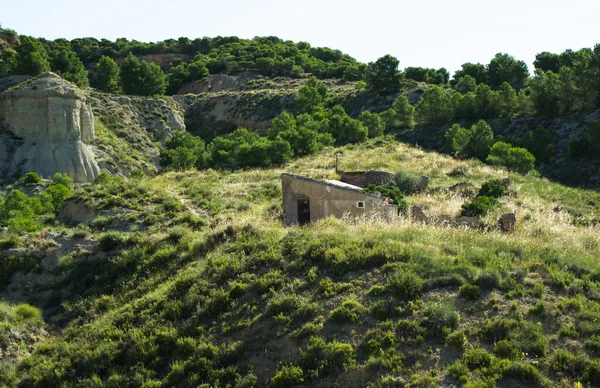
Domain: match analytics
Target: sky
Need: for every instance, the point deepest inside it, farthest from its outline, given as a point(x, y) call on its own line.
point(426, 33)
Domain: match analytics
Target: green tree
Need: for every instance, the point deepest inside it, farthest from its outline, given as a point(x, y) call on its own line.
point(66, 63)
point(373, 122)
point(475, 70)
point(507, 100)
point(546, 61)
point(183, 151)
point(514, 158)
point(8, 60)
point(383, 76)
point(152, 79)
point(32, 58)
point(466, 84)
point(545, 93)
point(487, 104)
point(435, 107)
point(505, 68)
point(107, 75)
point(457, 139)
point(311, 96)
point(131, 74)
point(482, 138)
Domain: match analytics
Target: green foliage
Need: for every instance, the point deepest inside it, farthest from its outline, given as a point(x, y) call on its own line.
point(441, 317)
point(142, 79)
point(539, 143)
point(374, 123)
point(457, 339)
point(400, 115)
point(391, 191)
point(183, 151)
point(434, 107)
point(431, 76)
point(504, 68)
point(493, 189)
point(477, 358)
point(406, 182)
point(322, 359)
point(20, 213)
point(475, 142)
point(32, 57)
point(514, 158)
point(383, 76)
point(479, 207)
point(405, 284)
point(351, 311)
point(469, 292)
point(66, 64)
point(287, 376)
point(312, 96)
point(31, 178)
point(588, 145)
point(107, 78)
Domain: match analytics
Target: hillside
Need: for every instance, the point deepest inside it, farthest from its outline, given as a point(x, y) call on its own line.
point(142, 237)
point(219, 293)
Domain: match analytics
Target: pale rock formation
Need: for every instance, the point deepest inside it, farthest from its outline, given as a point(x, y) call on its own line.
point(56, 124)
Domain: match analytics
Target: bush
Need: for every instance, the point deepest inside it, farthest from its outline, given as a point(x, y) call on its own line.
point(493, 189)
point(477, 358)
point(488, 280)
point(441, 316)
point(406, 182)
point(506, 349)
point(514, 158)
point(522, 371)
point(390, 191)
point(323, 359)
point(287, 376)
point(479, 207)
point(351, 311)
point(28, 314)
point(405, 284)
point(457, 339)
point(31, 178)
point(111, 240)
point(469, 292)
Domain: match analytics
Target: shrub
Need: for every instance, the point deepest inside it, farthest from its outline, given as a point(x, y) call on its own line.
point(440, 317)
point(506, 349)
point(111, 240)
point(522, 371)
point(31, 178)
point(469, 291)
point(287, 376)
point(458, 371)
point(457, 339)
point(28, 314)
point(477, 358)
point(63, 179)
point(514, 158)
point(351, 311)
point(405, 284)
point(488, 280)
point(493, 189)
point(390, 191)
point(479, 207)
point(406, 182)
point(323, 359)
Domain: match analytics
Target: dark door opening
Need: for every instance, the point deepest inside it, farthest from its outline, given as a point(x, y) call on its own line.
point(303, 211)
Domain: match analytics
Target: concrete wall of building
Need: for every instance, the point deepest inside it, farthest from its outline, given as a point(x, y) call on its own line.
point(327, 199)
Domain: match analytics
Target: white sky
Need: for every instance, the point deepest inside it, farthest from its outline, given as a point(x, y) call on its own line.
point(427, 33)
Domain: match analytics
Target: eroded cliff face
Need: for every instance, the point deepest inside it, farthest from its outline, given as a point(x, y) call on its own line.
point(55, 125)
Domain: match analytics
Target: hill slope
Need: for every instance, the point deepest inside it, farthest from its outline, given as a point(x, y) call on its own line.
point(189, 278)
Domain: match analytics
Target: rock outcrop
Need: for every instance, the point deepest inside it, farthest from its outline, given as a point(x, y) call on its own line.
point(55, 124)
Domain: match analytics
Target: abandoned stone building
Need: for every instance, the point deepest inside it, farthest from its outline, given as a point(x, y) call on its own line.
point(306, 200)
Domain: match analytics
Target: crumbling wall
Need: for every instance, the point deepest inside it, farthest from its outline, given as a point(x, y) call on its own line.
point(365, 178)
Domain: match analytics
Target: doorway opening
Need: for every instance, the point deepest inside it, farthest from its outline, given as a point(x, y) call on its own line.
point(303, 211)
